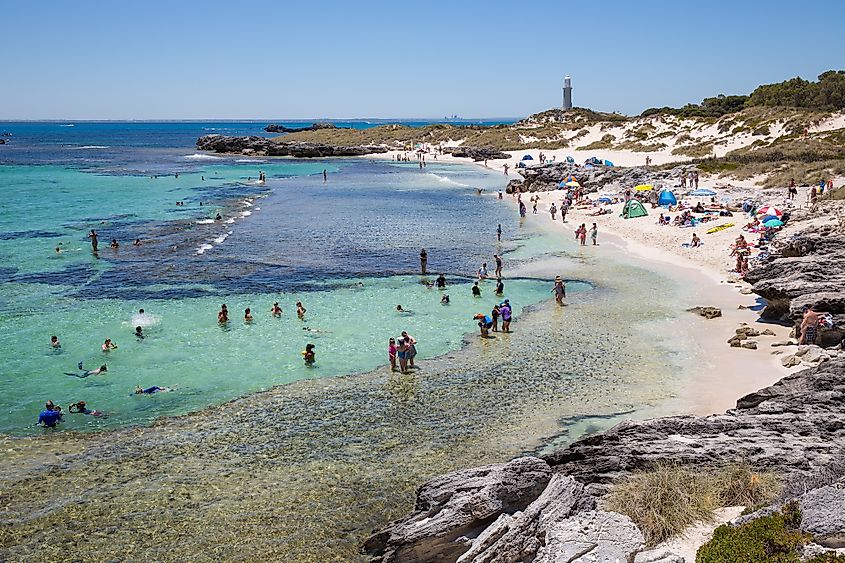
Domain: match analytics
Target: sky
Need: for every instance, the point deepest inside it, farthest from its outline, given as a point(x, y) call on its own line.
point(286, 59)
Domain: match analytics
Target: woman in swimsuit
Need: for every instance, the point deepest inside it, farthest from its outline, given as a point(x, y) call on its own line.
point(402, 354)
point(391, 353)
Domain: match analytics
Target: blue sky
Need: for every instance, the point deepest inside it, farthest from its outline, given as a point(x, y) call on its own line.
point(188, 59)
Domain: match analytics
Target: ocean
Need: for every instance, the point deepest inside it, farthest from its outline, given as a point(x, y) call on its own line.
point(254, 454)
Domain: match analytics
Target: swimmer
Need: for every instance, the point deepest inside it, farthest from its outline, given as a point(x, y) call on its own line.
point(54, 342)
point(80, 408)
point(399, 309)
point(308, 355)
point(150, 390)
point(137, 242)
point(58, 250)
point(139, 333)
point(108, 345)
point(500, 287)
point(314, 330)
point(440, 282)
point(445, 299)
point(247, 315)
point(276, 310)
point(300, 310)
point(114, 243)
point(223, 314)
point(476, 291)
point(86, 372)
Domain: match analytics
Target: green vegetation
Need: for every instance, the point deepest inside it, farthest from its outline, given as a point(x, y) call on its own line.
point(827, 558)
point(605, 142)
point(826, 94)
point(770, 539)
point(709, 107)
point(669, 498)
point(697, 150)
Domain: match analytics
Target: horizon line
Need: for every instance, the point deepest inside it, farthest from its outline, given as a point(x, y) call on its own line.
point(251, 119)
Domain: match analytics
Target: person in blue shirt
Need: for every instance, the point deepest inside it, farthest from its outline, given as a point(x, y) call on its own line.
point(50, 416)
point(485, 323)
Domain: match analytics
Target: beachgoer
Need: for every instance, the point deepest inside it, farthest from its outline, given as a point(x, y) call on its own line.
point(87, 372)
point(391, 353)
point(247, 315)
point(444, 300)
point(218, 217)
point(500, 194)
point(139, 332)
point(300, 310)
point(137, 242)
point(498, 260)
point(423, 260)
point(50, 417)
point(500, 287)
point(506, 169)
point(80, 408)
point(494, 314)
point(58, 250)
point(476, 291)
point(506, 312)
point(440, 282)
point(559, 290)
point(223, 314)
point(108, 345)
point(54, 342)
point(400, 309)
point(553, 211)
point(522, 209)
point(809, 326)
point(93, 236)
point(151, 390)
point(594, 233)
point(482, 271)
point(276, 311)
point(485, 323)
point(499, 232)
point(696, 242)
point(536, 200)
point(402, 355)
point(564, 208)
point(412, 348)
point(114, 243)
point(308, 355)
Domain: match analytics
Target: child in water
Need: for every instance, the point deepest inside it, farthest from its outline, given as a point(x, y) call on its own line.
point(308, 355)
point(391, 353)
point(108, 345)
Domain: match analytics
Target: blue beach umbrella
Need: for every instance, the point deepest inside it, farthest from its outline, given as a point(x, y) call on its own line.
point(703, 192)
point(604, 200)
point(527, 157)
point(772, 223)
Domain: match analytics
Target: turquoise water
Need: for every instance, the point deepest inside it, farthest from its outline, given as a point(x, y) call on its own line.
point(347, 248)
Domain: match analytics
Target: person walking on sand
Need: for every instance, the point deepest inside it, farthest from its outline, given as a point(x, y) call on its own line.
point(506, 169)
point(423, 261)
point(535, 199)
point(559, 290)
point(553, 211)
point(564, 207)
point(594, 233)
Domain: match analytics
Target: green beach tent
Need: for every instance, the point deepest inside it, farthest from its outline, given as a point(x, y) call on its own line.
point(633, 208)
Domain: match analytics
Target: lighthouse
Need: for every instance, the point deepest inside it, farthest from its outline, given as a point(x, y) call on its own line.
point(567, 93)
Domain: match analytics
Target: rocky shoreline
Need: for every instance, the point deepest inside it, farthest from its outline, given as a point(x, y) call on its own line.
point(262, 146)
point(548, 509)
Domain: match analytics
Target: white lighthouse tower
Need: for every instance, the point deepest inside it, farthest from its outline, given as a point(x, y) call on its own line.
point(567, 93)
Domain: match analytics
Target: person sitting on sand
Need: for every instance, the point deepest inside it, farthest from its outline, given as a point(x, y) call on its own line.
point(696, 242)
point(151, 390)
point(276, 311)
point(308, 355)
point(108, 345)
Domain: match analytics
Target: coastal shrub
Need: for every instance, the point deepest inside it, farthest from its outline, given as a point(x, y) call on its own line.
point(663, 501)
point(605, 142)
point(770, 539)
point(740, 485)
point(827, 558)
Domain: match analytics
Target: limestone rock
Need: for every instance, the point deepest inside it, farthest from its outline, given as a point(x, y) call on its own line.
point(706, 312)
point(275, 128)
point(591, 537)
point(748, 331)
point(452, 509)
point(823, 515)
point(262, 146)
point(659, 555)
point(812, 354)
point(750, 345)
point(477, 153)
point(790, 361)
point(784, 343)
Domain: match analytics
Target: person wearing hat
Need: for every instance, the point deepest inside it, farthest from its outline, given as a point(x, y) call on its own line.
point(485, 323)
point(506, 312)
point(559, 290)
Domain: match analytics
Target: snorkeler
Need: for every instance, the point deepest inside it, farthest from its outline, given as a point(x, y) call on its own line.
point(86, 372)
point(150, 390)
point(399, 309)
point(80, 408)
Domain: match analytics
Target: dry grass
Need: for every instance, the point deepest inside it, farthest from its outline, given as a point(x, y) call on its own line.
point(669, 498)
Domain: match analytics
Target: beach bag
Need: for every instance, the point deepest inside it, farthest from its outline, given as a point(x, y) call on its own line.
point(826, 320)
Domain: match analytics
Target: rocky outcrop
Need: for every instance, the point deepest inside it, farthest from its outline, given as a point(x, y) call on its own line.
point(806, 269)
point(261, 146)
point(476, 153)
point(597, 178)
point(275, 128)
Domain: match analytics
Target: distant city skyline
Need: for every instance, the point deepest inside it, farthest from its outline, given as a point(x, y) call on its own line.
point(336, 60)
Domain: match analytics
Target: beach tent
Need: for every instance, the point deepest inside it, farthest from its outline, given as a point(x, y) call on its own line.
point(527, 157)
point(633, 208)
point(702, 192)
point(667, 198)
point(643, 187)
point(561, 184)
point(570, 160)
point(608, 163)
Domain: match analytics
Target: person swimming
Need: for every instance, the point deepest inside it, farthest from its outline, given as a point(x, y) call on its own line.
point(108, 345)
point(151, 390)
point(445, 299)
point(81, 408)
point(400, 309)
point(86, 372)
point(54, 342)
point(139, 332)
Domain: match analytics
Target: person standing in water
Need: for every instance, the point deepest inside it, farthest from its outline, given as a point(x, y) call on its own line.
point(391, 353)
point(412, 349)
point(594, 233)
point(325, 175)
point(300, 310)
point(247, 315)
point(505, 311)
point(559, 290)
point(498, 265)
point(308, 355)
point(499, 232)
point(476, 291)
point(54, 342)
point(500, 287)
point(276, 311)
point(440, 282)
point(94, 243)
point(223, 314)
point(494, 314)
point(423, 261)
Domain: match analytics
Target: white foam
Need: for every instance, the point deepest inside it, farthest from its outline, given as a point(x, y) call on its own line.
point(197, 156)
point(446, 180)
point(145, 320)
point(203, 248)
point(230, 221)
point(92, 147)
point(205, 221)
point(246, 213)
point(250, 160)
point(222, 237)
point(246, 203)
point(68, 125)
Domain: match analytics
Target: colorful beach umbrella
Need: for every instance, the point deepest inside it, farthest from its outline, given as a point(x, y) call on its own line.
point(772, 223)
point(643, 187)
point(604, 200)
point(573, 184)
point(770, 211)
